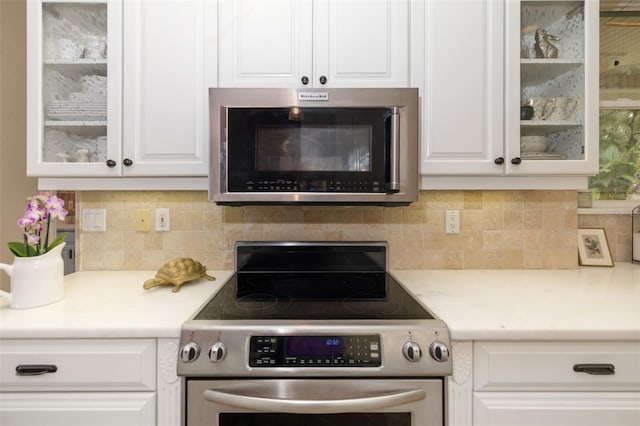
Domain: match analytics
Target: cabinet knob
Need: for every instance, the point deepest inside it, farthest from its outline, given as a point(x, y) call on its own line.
point(127, 162)
point(304, 80)
point(516, 160)
point(499, 160)
point(111, 164)
point(323, 79)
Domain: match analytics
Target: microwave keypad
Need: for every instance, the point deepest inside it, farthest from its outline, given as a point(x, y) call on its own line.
point(314, 186)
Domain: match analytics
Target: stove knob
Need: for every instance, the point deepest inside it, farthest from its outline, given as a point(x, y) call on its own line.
point(217, 352)
point(190, 352)
point(412, 351)
point(439, 351)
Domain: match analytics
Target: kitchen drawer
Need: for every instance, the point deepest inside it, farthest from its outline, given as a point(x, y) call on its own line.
point(81, 365)
point(556, 408)
point(78, 408)
point(527, 366)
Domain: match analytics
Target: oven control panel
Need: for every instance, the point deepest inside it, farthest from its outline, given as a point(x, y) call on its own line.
point(315, 351)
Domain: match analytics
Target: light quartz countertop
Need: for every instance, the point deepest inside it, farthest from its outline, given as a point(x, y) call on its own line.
point(110, 304)
point(588, 303)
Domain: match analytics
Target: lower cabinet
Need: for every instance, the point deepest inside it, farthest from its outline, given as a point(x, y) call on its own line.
point(77, 408)
point(556, 383)
point(87, 382)
point(556, 408)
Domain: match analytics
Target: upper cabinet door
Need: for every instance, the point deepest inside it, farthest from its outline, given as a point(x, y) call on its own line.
point(552, 68)
point(361, 43)
point(462, 88)
point(167, 68)
point(265, 43)
point(73, 88)
point(314, 43)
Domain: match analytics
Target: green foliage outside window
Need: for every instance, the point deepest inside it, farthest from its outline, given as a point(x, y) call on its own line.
point(619, 175)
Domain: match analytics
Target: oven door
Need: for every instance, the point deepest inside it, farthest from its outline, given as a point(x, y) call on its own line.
point(314, 402)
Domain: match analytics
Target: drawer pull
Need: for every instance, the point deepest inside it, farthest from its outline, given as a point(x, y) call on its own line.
point(595, 369)
point(35, 369)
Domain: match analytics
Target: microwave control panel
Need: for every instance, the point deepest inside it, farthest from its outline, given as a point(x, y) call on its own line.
point(315, 351)
point(315, 185)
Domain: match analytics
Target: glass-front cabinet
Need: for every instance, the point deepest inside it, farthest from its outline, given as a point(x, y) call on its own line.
point(74, 73)
point(552, 87)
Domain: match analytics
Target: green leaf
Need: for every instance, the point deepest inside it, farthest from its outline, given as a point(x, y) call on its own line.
point(18, 249)
point(57, 241)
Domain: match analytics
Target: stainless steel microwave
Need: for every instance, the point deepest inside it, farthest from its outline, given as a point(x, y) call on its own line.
point(310, 146)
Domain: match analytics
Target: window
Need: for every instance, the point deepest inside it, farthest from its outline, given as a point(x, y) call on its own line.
point(619, 177)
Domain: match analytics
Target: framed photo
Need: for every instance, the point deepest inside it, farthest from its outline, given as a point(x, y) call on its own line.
point(593, 247)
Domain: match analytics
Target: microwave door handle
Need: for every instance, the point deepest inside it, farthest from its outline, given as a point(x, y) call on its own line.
point(394, 155)
point(304, 406)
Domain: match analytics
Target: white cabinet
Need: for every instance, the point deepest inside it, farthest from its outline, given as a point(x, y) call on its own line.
point(480, 67)
point(77, 409)
point(314, 43)
point(560, 78)
point(79, 382)
point(462, 94)
point(118, 89)
point(73, 87)
point(169, 62)
point(534, 383)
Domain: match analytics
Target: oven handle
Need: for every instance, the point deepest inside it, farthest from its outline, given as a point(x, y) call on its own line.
point(314, 406)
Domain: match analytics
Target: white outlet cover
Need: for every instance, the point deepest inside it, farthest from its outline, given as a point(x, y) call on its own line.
point(163, 220)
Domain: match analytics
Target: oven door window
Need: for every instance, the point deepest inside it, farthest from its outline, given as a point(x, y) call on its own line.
point(344, 419)
point(308, 149)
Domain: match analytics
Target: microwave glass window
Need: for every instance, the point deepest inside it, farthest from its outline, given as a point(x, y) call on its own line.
point(314, 148)
point(307, 149)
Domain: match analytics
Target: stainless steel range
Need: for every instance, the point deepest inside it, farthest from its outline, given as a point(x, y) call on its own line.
point(313, 333)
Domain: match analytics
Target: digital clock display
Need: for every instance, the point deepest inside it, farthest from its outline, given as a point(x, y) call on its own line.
point(314, 346)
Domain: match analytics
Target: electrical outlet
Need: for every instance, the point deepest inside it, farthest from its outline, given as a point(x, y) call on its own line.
point(452, 221)
point(143, 220)
point(162, 220)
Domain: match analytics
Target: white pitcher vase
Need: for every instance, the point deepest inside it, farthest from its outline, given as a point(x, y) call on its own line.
point(37, 280)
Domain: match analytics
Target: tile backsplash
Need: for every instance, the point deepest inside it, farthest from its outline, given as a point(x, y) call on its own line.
point(618, 232)
point(498, 229)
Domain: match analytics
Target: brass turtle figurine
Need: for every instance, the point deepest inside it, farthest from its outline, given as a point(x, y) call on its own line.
point(177, 272)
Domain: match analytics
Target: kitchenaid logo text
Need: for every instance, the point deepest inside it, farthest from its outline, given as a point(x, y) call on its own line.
point(313, 96)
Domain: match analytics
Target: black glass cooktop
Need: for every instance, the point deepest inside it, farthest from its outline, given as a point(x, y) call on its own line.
point(304, 281)
point(395, 303)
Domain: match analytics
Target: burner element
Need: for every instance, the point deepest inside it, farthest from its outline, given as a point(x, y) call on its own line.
point(256, 302)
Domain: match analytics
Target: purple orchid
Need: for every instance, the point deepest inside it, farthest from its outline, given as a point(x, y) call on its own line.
point(40, 210)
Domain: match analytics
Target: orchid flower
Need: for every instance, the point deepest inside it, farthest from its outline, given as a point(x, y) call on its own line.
point(37, 217)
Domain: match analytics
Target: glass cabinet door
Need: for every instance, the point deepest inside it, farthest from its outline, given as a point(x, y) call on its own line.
point(73, 81)
point(552, 89)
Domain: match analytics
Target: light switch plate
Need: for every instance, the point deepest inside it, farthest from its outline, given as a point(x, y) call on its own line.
point(94, 220)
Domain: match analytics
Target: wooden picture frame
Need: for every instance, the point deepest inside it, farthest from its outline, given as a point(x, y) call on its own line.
point(593, 247)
